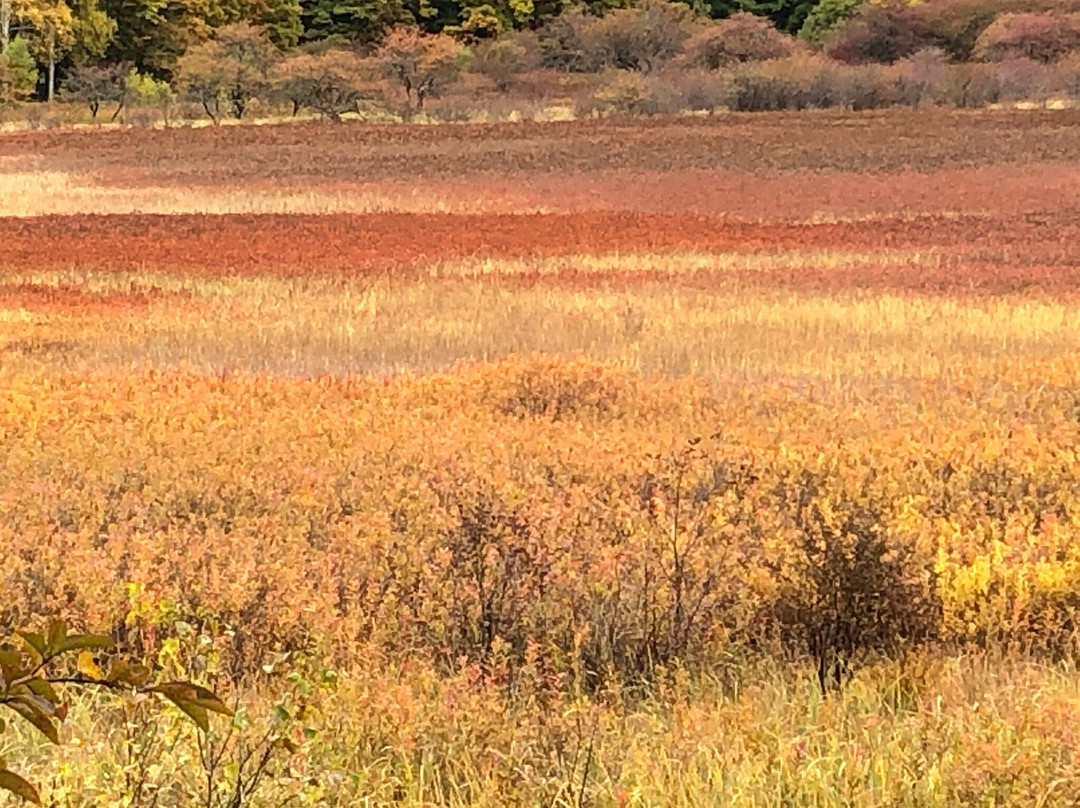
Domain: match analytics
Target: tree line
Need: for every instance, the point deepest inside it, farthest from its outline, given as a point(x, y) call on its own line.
point(328, 55)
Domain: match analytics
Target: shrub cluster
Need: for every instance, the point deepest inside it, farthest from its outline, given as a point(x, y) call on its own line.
point(525, 510)
point(240, 69)
point(653, 57)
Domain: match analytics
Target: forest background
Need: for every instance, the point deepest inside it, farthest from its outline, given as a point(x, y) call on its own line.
point(153, 61)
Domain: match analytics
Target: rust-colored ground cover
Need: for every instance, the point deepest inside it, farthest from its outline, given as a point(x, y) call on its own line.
point(952, 202)
point(48, 299)
point(956, 254)
point(352, 244)
point(889, 141)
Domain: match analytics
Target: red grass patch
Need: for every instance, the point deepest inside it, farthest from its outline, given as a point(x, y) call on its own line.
point(348, 244)
point(987, 253)
point(889, 141)
point(45, 299)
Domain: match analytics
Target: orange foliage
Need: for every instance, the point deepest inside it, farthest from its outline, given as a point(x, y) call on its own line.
point(532, 503)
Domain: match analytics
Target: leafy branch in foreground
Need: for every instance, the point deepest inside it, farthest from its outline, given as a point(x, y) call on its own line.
point(33, 665)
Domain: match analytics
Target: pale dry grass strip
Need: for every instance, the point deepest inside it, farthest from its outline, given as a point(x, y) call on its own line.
point(327, 326)
point(682, 262)
point(931, 732)
point(26, 193)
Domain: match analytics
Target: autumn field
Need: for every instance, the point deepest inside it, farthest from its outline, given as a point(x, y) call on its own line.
point(673, 462)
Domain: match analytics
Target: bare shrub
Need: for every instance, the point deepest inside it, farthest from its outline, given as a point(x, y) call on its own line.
point(701, 90)
point(919, 79)
point(456, 108)
point(1025, 80)
point(867, 87)
point(1043, 38)
point(767, 88)
point(557, 389)
point(1068, 76)
point(969, 86)
point(741, 38)
point(618, 93)
point(505, 59)
point(642, 38)
point(495, 573)
point(882, 33)
point(958, 24)
point(565, 45)
point(851, 590)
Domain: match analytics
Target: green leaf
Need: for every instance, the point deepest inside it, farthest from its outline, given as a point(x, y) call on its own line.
point(57, 636)
point(193, 711)
point(34, 710)
point(193, 694)
point(12, 666)
point(195, 701)
point(126, 673)
point(42, 688)
point(9, 781)
point(37, 644)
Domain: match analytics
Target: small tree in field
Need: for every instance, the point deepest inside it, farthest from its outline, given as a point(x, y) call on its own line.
point(739, 39)
point(18, 72)
point(826, 16)
point(1039, 37)
point(232, 69)
point(202, 76)
point(143, 90)
point(641, 38)
point(565, 43)
point(327, 82)
point(35, 669)
point(95, 85)
point(421, 63)
point(502, 60)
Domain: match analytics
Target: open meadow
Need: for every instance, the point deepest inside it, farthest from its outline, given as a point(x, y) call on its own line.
point(725, 461)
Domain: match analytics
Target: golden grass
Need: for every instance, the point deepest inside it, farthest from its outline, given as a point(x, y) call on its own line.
point(970, 731)
point(25, 191)
point(473, 311)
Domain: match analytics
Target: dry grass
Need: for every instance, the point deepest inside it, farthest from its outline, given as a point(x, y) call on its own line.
point(755, 167)
point(43, 193)
point(928, 733)
point(467, 312)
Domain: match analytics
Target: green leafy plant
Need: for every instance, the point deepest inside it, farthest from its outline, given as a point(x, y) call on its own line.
point(18, 72)
point(36, 667)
